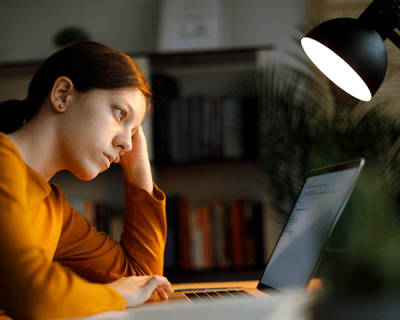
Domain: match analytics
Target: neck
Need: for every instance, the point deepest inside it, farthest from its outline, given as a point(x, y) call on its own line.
point(37, 142)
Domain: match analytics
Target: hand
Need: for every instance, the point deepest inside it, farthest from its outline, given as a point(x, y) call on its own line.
point(136, 164)
point(138, 289)
point(139, 153)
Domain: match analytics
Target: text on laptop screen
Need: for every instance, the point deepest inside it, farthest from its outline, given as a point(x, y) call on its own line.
point(304, 236)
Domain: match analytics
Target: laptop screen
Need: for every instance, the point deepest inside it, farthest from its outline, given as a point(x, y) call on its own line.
point(318, 206)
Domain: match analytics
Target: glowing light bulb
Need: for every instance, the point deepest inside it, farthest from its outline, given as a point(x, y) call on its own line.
point(336, 69)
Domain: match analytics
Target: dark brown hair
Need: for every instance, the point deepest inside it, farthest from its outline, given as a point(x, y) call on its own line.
point(89, 65)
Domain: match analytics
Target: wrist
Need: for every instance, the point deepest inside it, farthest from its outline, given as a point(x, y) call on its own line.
point(140, 175)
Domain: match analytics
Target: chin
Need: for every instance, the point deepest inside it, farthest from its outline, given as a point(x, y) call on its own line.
point(86, 175)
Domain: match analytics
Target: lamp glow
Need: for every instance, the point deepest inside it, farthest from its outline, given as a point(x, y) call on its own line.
point(336, 69)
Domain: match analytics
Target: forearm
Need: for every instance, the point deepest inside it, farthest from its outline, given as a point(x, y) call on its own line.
point(140, 175)
point(145, 228)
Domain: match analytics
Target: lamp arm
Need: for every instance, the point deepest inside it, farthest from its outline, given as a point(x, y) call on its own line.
point(395, 38)
point(383, 16)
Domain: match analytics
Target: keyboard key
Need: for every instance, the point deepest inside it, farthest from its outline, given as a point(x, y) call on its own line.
point(214, 295)
point(226, 295)
point(246, 294)
point(194, 298)
point(204, 296)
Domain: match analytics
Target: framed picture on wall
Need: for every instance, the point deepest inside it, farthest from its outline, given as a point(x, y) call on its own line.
point(194, 24)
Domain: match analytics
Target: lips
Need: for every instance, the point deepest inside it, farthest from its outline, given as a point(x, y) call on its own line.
point(109, 158)
point(113, 159)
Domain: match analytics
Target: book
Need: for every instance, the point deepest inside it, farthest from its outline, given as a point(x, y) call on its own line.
point(249, 135)
point(205, 123)
point(196, 244)
point(215, 129)
point(184, 245)
point(231, 131)
point(195, 103)
point(237, 241)
point(173, 127)
point(171, 258)
point(204, 226)
point(178, 130)
point(164, 89)
point(257, 228)
point(219, 234)
point(214, 235)
point(248, 235)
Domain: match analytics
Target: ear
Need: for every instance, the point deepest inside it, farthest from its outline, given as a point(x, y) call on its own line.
point(60, 93)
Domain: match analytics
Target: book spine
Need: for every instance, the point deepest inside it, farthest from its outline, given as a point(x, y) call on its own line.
point(231, 129)
point(204, 222)
point(196, 245)
point(173, 130)
point(184, 235)
point(237, 234)
point(215, 235)
point(218, 232)
point(170, 252)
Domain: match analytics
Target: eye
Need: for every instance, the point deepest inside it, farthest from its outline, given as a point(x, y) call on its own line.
point(121, 113)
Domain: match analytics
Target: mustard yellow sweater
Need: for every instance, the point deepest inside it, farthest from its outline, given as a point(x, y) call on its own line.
point(47, 249)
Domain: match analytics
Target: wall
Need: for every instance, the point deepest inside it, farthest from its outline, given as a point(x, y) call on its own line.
point(28, 27)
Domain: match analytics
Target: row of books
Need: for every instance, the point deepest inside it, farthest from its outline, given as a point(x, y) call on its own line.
point(102, 217)
point(198, 128)
point(219, 235)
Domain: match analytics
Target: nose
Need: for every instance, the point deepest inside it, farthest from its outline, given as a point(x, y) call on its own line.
point(123, 142)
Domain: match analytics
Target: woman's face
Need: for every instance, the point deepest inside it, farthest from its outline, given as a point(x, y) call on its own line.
point(98, 126)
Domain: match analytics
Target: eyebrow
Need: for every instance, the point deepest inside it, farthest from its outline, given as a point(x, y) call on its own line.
point(129, 106)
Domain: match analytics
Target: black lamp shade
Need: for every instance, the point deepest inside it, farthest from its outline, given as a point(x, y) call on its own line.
point(361, 47)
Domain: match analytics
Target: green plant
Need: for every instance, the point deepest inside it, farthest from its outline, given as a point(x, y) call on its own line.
point(284, 119)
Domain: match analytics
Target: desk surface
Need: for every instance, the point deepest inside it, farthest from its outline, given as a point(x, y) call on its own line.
point(244, 284)
point(314, 286)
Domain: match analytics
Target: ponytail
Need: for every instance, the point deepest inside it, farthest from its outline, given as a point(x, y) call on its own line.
point(13, 114)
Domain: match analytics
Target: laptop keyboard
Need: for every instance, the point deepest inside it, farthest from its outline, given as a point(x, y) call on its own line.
point(210, 296)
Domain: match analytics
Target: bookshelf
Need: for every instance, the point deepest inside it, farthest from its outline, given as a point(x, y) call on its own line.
point(199, 178)
point(210, 74)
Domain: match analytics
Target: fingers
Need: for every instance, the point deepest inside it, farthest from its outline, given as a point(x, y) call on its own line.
point(160, 285)
point(163, 292)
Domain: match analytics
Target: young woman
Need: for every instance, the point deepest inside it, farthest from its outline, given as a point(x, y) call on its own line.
point(84, 110)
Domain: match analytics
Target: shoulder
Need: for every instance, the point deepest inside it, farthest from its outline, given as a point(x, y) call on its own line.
point(56, 196)
point(7, 148)
point(59, 200)
point(11, 162)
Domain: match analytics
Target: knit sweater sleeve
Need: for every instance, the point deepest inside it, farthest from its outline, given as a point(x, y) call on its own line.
point(96, 257)
point(33, 286)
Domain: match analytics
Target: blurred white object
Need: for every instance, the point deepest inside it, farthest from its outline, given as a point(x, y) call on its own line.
point(293, 307)
point(194, 24)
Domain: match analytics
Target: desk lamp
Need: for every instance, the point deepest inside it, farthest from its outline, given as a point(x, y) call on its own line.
point(351, 52)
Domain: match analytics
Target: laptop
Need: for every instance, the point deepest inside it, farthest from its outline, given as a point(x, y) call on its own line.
point(288, 271)
point(304, 236)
